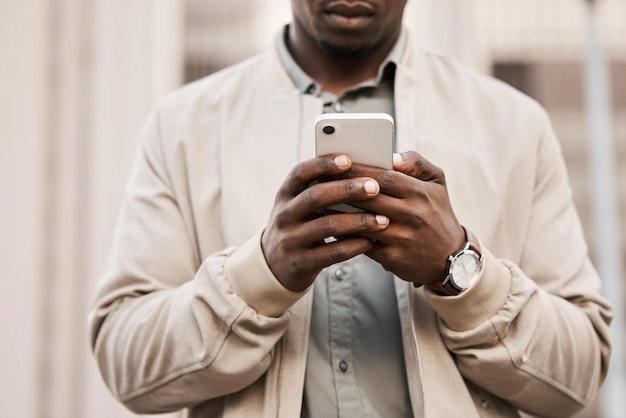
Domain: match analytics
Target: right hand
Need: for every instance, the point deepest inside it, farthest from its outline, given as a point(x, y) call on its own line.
point(293, 241)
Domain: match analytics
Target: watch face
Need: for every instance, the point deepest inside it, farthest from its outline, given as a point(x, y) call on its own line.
point(465, 269)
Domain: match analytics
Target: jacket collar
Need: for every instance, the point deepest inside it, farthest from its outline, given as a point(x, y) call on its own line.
point(307, 85)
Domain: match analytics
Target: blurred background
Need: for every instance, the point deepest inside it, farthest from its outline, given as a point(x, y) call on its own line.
point(79, 77)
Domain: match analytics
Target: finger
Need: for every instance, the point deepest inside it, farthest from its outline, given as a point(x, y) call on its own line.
point(409, 163)
point(392, 183)
point(415, 165)
point(340, 225)
point(307, 172)
point(322, 195)
point(302, 266)
point(338, 251)
point(400, 182)
point(387, 203)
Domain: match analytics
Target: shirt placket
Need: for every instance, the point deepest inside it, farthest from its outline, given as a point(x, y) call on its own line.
point(340, 295)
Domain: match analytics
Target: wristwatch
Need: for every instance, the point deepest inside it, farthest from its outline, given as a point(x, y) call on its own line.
point(463, 268)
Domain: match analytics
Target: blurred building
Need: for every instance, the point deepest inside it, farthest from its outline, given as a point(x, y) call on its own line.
point(539, 47)
point(79, 78)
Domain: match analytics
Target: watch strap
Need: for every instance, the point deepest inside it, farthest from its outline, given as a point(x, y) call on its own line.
point(445, 286)
point(473, 242)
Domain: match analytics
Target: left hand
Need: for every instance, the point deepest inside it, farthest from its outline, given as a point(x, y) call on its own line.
point(423, 229)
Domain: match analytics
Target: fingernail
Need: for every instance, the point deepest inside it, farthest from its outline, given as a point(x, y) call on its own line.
point(397, 158)
point(341, 160)
point(382, 220)
point(370, 186)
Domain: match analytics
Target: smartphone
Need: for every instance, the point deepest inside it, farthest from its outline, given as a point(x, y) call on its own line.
point(366, 137)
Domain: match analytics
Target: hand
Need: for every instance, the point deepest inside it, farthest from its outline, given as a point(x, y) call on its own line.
point(293, 241)
point(423, 229)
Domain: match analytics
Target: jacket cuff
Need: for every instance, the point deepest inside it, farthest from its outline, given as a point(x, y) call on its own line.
point(251, 278)
point(478, 303)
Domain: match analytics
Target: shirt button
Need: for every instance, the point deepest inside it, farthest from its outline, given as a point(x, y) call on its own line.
point(338, 107)
point(340, 274)
point(343, 366)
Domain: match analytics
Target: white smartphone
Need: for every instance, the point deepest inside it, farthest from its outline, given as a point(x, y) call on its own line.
point(366, 137)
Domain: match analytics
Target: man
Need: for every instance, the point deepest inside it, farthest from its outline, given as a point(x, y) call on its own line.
point(469, 294)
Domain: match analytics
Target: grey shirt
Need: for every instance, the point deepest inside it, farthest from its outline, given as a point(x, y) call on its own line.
point(355, 364)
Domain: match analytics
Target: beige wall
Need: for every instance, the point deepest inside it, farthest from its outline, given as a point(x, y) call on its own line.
point(78, 78)
point(22, 106)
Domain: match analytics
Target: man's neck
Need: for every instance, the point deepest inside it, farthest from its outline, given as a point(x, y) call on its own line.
point(335, 73)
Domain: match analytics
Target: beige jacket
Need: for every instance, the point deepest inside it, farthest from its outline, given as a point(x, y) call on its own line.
point(188, 314)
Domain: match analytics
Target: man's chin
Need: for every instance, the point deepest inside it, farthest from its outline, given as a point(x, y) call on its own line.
point(344, 51)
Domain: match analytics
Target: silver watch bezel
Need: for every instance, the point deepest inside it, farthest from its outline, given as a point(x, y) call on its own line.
point(455, 258)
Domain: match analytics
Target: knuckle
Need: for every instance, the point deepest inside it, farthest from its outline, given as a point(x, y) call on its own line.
point(442, 176)
point(391, 258)
point(421, 165)
point(416, 221)
point(283, 219)
point(349, 188)
point(298, 263)
point(294, 183)
point(385, 178)
point(328, 226)
point(412, 155)
point(309, 196)
point(298, 174)
point(419, 192)
point(365, 221)
point(326, 164)
point(338, 252)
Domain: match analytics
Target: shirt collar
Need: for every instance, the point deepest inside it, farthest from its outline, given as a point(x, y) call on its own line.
point(306, 85)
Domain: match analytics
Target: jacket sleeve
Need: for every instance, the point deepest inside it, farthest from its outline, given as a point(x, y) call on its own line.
point(535, 331)
point(167, 328)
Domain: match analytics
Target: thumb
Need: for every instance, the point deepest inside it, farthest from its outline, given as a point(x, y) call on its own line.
point(413, 164)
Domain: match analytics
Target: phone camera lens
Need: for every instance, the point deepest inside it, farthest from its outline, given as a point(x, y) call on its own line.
point(328, 129)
